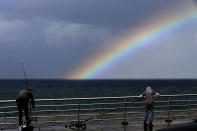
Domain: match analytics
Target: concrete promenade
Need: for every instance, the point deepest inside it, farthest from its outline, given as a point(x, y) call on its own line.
point(94, 126)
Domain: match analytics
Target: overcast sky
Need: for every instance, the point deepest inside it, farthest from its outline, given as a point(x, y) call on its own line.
point(52, 38)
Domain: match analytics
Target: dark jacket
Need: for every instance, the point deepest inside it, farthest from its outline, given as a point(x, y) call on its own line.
point(24, 97)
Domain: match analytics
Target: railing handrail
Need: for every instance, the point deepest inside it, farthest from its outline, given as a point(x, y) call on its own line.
point(97, 98)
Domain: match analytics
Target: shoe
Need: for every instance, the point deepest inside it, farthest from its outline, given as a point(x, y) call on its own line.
point(145, 124)
point(150, 124)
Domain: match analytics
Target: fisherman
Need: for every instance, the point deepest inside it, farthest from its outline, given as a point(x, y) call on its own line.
point(22, 103)
point(149, 107)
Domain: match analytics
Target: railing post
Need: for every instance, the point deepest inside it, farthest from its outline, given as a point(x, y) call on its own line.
point(101, 112)
point(125, 122)
point(189, 112)
point(78, 112)
point(5, 120)
point(169, 120)
point(80, 124)
point(54, 116)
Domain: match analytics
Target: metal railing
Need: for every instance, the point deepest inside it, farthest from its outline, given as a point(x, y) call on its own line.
point(76, 112)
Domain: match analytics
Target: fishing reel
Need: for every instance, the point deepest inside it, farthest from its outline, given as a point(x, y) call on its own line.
point(25, 127)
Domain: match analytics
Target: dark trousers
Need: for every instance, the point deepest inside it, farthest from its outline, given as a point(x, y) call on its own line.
point(149, 109)
point(23, 106)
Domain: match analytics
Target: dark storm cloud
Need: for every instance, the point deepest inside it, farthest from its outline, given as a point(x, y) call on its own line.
point(110, 13)
point(48, 49)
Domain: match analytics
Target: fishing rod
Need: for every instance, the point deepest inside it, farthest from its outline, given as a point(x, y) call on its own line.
point(82, 123)
point(27, 86)
point(27, 83)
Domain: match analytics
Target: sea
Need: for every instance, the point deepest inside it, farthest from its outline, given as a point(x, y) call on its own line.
point(58, 88)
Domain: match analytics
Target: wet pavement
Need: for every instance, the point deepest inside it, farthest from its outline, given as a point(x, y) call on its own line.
point(105, 127)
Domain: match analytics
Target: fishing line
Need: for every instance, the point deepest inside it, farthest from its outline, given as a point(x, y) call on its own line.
point(167, 88)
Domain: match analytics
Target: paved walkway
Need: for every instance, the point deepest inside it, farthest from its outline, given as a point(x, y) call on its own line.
point(107, 127)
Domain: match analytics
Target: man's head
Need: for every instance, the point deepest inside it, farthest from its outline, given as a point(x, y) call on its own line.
point(28, 89)
point(148, 89)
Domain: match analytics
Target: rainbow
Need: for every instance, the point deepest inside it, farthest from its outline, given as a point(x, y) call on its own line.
point(135, 40)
